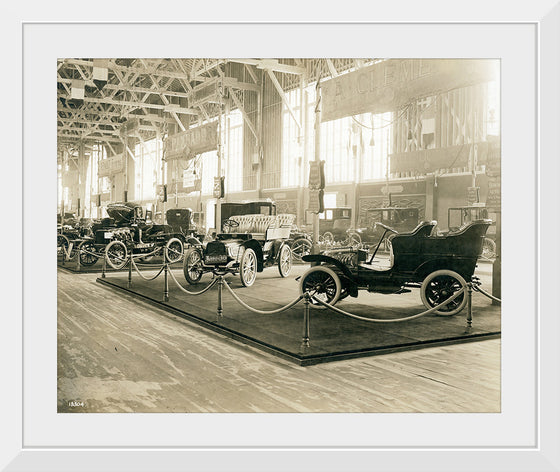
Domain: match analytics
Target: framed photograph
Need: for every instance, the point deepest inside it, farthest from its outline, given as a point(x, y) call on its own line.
point(520, 434)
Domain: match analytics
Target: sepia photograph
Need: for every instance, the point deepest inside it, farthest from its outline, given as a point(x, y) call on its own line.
point(279, 235)
point(314, 237)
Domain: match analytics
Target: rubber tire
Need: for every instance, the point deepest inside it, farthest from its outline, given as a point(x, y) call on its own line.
point(286, 255)
point(439, 273)
point(328, 237)
point(303, 243)
point(171, 255)
point(334, 277)
point(248, 254)
point(62, 242)
point(112, 245)
point(186, 260)
point(87, 259)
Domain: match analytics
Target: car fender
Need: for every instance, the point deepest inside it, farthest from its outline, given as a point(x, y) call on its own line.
point(319, 258)
point(255, 246)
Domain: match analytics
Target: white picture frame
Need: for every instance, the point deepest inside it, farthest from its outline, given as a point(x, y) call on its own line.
point(536, 449)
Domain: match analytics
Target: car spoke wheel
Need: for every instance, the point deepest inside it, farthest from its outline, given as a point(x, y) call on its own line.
point(322, 283)
point(87, 256)
point(285, 261)
point(328, 238)
point(116, 254)
point(248, 267)
point(439, 286)
point(192, 266)
point(62, 243)
point(173, 250)
point(300, 248)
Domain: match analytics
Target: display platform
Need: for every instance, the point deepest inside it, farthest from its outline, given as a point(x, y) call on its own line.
point(332, 336)
point(72, 266)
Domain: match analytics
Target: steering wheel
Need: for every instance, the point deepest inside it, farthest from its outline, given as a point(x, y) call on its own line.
point(388, 228)
point(230, 223)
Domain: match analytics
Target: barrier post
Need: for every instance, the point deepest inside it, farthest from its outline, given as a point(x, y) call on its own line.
point(130, 270)
point(63, 254)
point(220, 287)
point(469, 307)
point(305, 337)
point(103, 266)
point(165, 282)
point(78, 258)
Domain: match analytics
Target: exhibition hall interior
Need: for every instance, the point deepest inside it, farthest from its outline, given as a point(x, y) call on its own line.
point(278, 235)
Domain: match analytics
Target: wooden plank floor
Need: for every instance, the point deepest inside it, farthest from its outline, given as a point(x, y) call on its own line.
point(118, 354)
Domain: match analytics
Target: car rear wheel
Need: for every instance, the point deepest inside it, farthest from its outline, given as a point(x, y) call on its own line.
point(438, 287)
point(328, 237)
point(87, 256)
point(192, 266)
point(116, 254)
point(173, 250)
point(300, 248)
point(285, 260)
point(248, 267)
point(322, 283)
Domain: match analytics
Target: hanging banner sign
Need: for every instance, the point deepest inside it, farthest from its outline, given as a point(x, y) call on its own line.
point(192, 141)
point(390, 84)
point(316, 175)
point(111, 165)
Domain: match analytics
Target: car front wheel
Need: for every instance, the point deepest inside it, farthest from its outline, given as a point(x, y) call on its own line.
point(192, 266)
point(321, 283)
point(285, 261)
point(173, 250)
point(116, 254)
point(87, 253)
point(248, 267)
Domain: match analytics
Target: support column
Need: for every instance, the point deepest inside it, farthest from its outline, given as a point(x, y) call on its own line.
point(317, 128)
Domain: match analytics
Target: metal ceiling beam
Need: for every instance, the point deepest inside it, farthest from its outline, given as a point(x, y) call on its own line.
point(128, 88)
point(178, 109)
point(76, 137)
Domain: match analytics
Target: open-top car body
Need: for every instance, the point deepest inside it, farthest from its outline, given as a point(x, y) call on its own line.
point(402, 220)
point(438, 265)
point(125, 232)
point(248, 244)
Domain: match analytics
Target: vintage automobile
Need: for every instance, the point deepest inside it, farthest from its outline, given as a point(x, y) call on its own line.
point(400, 219)
point(335, 227)
point(438, 265)
point(248, 245)
point(458, 216)
point(181, 221)
point(126, 231)
point(70, 232)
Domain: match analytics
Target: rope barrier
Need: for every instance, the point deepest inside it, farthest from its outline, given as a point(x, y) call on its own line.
point(478, 289)
point(377, 320)
point(140, 256)
point(205, 289)
point(262, 312)
point(140, 274)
